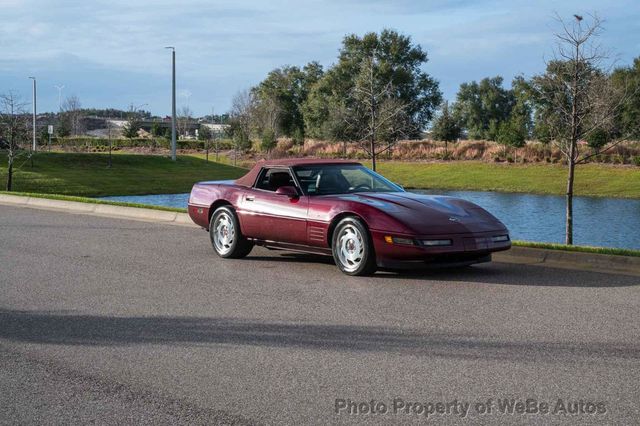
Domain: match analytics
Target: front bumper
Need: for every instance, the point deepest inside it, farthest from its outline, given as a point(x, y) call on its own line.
point(465, 249)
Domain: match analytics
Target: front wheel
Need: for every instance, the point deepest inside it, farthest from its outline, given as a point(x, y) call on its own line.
point(352, 248)
point(226, 238)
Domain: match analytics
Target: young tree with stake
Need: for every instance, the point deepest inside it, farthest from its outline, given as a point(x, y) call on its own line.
point(575, 98)
point(14, 131)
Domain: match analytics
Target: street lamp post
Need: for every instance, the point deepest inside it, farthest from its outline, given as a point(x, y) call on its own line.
point(59, 87)
point(173, 103)
point(33, 147)
point(110, 146)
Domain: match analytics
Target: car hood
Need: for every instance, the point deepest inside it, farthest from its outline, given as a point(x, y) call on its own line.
point(430, 214)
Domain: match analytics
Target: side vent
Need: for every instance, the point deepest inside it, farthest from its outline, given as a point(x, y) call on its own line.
point(316, 233)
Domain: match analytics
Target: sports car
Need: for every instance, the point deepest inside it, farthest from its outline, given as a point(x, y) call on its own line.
point(342, 209)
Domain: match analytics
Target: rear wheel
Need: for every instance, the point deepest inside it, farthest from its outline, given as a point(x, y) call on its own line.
point(225, 235)
point(352, 248)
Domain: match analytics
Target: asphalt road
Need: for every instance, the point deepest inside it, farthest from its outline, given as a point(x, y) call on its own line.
point(116, 321)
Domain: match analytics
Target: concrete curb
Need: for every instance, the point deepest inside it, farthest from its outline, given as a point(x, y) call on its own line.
point(605, 263)
point(105, 210)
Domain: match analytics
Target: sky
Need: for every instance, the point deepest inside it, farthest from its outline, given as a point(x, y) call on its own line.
point(110, 53)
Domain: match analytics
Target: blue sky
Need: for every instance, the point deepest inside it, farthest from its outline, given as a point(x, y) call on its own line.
point(110, 53)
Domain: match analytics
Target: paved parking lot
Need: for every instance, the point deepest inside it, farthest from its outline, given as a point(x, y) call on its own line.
point(118, 321)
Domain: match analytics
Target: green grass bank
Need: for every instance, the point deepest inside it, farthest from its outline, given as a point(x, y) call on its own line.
point(591, 179)
point(86, 174)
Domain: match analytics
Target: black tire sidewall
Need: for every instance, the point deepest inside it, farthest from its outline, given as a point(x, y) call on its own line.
point(368, 265)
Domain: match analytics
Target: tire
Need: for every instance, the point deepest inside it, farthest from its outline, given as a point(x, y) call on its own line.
point(225, 235)
point(352, 248)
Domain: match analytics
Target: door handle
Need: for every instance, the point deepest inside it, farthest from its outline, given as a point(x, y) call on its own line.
point(250, 198)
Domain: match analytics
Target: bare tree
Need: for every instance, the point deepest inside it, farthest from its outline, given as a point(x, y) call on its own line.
point(374, 118)
point(71, 111)
point(266, 116)
point(185, 117)
point(575, 97)
point(242, 118)
point(14, 131)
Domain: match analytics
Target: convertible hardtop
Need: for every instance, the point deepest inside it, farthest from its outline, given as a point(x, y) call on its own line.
point(250, 178)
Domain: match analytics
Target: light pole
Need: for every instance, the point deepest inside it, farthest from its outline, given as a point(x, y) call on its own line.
point(59, 96)
point(173, 103)
point(33, 147)
point(109, 130)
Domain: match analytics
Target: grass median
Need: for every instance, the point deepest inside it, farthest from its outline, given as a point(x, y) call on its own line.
point(591, 179)
point(87, 175)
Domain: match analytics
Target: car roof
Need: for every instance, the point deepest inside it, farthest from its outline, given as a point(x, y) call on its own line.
point(250, 178)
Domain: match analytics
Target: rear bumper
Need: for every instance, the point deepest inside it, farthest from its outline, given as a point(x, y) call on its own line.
point(465, 249)
point(199, 214)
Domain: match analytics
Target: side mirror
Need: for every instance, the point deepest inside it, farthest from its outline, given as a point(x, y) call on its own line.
point(289, 191)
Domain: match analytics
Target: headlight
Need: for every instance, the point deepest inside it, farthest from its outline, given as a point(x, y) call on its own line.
point(436, 243)
point(500, 238)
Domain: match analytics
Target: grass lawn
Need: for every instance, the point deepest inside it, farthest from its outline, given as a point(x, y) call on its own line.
point(87, 174)
point(591, 179)
point(582, 249)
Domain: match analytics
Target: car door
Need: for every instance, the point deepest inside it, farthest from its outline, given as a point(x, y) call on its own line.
point(274, 217)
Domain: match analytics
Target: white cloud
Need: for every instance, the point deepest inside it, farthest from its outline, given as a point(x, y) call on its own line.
point(225, 46)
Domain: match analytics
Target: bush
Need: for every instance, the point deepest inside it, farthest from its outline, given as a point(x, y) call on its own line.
point(636, 160)
point(298, 137)
point(268, 141)
point(597, 139)
point(617, 159)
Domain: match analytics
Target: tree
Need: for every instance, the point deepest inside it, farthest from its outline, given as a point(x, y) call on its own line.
point(372, 116)
point(511, 133)
point(265, 115)
point(14, 131)
point(627, 79)
point(72, 115)
point(132, 125)
point(204, 133)
point(240, 119)
point(575, 98)
point(157, 130)
point(523, 106)
point(63, 128)
point(269, 140)
point(445, 126)
point(183, 119)
point(281, 95)
point(480, 108)
point(376, 93)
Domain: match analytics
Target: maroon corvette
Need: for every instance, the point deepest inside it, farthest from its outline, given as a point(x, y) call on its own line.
point(342, 209)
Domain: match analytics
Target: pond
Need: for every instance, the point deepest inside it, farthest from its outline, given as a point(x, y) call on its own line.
point(606, 222)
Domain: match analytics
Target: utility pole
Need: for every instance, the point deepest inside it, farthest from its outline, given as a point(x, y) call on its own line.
point(33, 147)
point(173, 103)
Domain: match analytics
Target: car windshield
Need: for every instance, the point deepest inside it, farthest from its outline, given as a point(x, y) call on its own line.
point(341, 179)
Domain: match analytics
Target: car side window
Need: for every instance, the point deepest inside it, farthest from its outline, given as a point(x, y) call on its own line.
point(271, 179)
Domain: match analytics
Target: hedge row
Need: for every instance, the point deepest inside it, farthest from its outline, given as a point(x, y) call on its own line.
point(86, 142)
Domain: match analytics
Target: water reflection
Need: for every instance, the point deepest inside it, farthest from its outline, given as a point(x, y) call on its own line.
point(607, 222)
